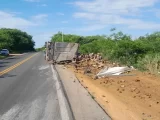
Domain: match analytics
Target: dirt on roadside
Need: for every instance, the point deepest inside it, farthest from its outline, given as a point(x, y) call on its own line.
point(123, 97)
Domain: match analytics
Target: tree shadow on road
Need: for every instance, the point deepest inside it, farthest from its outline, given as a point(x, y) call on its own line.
point(12, 58)
point(2, 66)
point(3, 62)
point(7, 75)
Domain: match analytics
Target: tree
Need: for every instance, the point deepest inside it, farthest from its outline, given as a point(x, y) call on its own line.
point(16, 40)
point(117, 47)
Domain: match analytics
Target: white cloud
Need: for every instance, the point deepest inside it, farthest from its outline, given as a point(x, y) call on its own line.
point(156, 12)
point(60, 14)
point(86, 15)
point(105, 19)
point(40, 17)
point(41, 38)
point(146, 25)
point(44, 5)
point(32, 0)
point(108, 12)
point(92, 27)
point(10, 20)
point(114, 6)
point(64, 22)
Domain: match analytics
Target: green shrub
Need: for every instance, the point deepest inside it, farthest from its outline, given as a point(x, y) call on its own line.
point(151, 63)
point(142, 53)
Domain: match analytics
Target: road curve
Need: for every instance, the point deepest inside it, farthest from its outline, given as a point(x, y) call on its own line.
point(28, 91)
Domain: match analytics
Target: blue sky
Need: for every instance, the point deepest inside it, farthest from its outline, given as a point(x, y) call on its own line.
point(44, 18)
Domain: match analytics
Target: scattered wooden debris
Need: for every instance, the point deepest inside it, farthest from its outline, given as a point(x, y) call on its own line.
point(122, 86)
point(133, 89)
point(137, 80)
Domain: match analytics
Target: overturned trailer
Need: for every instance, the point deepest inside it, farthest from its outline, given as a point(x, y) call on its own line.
point(61, 51)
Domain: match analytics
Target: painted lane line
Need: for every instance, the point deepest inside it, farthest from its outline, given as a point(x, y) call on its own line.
point(12, 67)
point(61, 98)
point(16, 65)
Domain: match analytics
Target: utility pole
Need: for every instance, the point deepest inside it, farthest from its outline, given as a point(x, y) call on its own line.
point(62, 35)
point(46, 50)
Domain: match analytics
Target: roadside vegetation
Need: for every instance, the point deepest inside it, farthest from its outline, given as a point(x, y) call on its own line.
point(142, 53)
point(16, 41)
point(2, 57)
point(40, 49)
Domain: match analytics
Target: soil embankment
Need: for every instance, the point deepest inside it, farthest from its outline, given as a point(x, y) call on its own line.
point(123, 97)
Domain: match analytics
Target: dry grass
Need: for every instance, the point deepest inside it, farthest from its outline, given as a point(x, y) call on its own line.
point(151, 63)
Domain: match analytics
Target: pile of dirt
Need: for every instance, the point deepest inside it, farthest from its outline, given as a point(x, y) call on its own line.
point(122, 97)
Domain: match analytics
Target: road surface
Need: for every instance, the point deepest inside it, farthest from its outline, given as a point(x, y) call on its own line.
point(27, 89)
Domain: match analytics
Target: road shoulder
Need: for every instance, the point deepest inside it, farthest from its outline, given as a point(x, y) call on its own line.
point(83, 105)
point(65, 109)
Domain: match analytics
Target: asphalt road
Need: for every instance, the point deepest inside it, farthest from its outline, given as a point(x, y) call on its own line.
point(28, 92)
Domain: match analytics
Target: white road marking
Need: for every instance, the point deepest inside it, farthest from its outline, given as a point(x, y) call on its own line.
point(33, 68)
point(43, 67)
point(31, 111)
point(48, 112)
point(35, 109)
point(9, 115)
point(61, 98)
